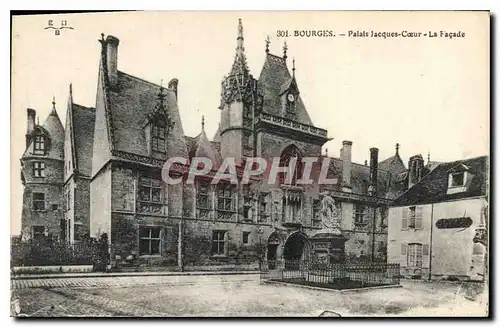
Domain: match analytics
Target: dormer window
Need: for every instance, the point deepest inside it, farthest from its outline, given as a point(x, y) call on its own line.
point(457, 179)
point(158, 135)
point(39, 145)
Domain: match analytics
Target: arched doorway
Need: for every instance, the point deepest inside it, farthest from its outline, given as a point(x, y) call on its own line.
point(297, 248)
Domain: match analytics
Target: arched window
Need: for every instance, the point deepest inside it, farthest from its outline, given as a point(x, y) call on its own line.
point(286, 156)
point(158, 135)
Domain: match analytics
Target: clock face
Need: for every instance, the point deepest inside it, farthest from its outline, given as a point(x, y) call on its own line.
point(291, 98)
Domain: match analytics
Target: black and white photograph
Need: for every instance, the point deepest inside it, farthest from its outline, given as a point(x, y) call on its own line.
point(329, 164)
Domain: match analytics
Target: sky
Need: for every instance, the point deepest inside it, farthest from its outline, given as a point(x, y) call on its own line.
point(427, 94)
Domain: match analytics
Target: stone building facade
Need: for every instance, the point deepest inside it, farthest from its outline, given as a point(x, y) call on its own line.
point(137, 127)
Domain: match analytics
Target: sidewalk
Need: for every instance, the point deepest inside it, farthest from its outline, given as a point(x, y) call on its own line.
point(130, 274)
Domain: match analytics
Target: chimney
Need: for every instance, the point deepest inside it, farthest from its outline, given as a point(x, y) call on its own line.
point(173, 84)
point(31, 125)
point(345, 156)
point(372, 189)
point(415, 169)
point(112, 59)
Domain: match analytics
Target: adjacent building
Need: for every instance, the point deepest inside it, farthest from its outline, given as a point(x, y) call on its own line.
point(434, 226)
point(55, 172)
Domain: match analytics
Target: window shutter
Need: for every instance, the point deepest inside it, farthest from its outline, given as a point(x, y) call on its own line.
point(403, 248)
point(425, 249)
point(404, 220)
point(418, 218)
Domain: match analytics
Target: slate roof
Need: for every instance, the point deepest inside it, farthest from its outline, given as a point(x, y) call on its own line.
point(394, 164)
point(216, 137)
point(275, 76)
point(433, 187)
point(53, 128)
point(83, 133)
point(432, 164)
point(200, 146)
point(131, 102)
point(360, 177)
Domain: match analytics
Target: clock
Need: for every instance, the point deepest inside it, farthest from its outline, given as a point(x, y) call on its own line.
point(291, 97)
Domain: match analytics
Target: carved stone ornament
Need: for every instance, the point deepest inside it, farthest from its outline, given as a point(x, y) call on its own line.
point(329, 212)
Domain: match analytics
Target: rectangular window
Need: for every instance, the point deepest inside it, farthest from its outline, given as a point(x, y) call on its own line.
point(245, 237)
point(150, 197)
point(225, 201)
point(149, 240)
point(39, 169)
point(158, 138)
point(38, 232)
point(203, 195)
point(219, 242)
point(414, 255)
point(263, 207)
point(247, 202)
point(38, 201)
point(39, 145)
point(415, 217)
point(359, 214)
point(457, 179)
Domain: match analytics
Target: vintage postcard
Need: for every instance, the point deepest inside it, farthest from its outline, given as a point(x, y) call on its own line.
point(250, 164)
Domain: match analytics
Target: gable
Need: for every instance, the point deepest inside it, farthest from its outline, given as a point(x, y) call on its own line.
point(274, 80)
point(131, 103)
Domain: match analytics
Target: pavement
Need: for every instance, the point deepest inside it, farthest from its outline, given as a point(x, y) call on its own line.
point(120, 281)
point(131, 274)
point(216, 295)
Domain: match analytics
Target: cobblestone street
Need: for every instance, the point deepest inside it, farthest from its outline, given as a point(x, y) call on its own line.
point(127, 281)
point(223, 296)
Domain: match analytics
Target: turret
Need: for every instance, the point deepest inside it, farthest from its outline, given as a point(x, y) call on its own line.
point(239, 90)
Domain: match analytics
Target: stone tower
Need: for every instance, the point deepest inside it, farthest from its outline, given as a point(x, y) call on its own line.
point(239, 104)
point(42, 170)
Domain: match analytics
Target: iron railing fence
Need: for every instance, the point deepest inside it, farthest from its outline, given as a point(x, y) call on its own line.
point(339, 276)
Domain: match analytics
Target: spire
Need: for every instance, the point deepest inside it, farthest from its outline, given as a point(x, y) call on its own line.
point(70, 97)
point(293, 67)
point(53, 111)
point(428, 156)
point(268, 41)
point(240, 61)
point(285, 48)
point(397, 149)
point(203, 123)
